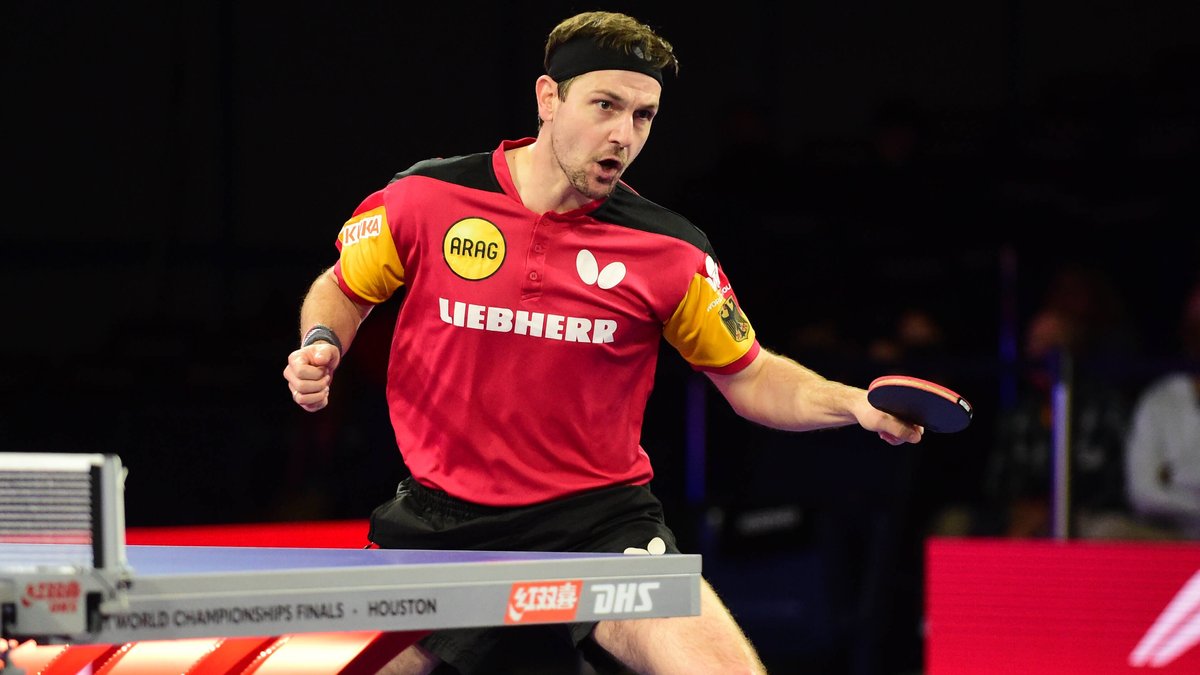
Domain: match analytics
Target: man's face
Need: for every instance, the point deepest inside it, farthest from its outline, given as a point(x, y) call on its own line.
point(601, 127)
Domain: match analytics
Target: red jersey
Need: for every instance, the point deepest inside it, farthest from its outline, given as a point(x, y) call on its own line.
point(525, 348)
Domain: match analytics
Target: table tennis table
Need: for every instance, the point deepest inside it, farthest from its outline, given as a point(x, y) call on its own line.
point(237, 609)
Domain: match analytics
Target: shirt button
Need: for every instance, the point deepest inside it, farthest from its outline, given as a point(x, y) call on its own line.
point(533, 276)
point(539, 247)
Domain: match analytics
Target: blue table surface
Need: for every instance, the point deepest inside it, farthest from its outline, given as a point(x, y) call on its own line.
point(168, 560)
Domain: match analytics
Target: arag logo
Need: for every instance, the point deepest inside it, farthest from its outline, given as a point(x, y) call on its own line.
point(473, 248)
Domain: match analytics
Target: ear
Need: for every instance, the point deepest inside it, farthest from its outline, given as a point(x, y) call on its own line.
point(546, 90)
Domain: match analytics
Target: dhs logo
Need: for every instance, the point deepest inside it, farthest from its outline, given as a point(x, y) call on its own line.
point(624, 598)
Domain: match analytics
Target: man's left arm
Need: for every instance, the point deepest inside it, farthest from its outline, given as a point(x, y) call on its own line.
point(777, 392)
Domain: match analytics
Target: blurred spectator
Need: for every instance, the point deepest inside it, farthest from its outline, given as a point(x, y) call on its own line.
point(1080, 320)
point(1095, 324)
point(917, 337)
point(1163, 451)
point(1020, 477)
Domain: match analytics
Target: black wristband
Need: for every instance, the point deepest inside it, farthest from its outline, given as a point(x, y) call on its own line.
point(321, 332)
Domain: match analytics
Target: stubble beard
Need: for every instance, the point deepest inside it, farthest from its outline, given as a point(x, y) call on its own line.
point(579, 179)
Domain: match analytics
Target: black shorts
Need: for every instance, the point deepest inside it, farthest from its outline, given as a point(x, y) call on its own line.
point(606, 520)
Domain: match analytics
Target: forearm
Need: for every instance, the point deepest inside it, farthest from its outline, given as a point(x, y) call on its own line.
point(326, 304)
point(1151, 498)
point(1150, 489)
point(777, 392)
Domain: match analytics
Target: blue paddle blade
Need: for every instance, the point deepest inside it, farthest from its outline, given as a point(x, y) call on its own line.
point(921, 402)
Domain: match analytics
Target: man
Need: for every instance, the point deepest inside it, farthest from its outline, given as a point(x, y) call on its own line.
point(538, 288)
point(1163, 451)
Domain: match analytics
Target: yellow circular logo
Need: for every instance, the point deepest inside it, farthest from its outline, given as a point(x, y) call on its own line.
point(473, 248)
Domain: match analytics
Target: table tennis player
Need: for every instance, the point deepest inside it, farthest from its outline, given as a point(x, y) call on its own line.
point(539, 286)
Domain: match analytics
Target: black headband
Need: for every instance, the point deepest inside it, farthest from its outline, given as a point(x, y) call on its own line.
point(583, 55)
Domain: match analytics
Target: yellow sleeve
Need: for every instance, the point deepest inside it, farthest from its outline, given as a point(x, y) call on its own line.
point(369, 264)
point(708, 327)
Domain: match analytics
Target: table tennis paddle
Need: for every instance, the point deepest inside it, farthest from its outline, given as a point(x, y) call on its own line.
point(920, 402)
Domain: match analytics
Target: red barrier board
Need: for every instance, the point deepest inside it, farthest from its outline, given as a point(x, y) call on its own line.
point(1054, 607)
point(306, 534)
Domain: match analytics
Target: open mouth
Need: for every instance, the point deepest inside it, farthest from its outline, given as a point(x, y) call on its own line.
point(610, 170)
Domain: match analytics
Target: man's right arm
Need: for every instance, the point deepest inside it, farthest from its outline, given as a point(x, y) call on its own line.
point(327, 305)
point(310, 368)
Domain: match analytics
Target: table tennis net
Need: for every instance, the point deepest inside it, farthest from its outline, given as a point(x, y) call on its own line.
point(60, 509)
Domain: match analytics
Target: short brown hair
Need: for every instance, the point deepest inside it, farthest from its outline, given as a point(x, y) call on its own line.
point(614, 31)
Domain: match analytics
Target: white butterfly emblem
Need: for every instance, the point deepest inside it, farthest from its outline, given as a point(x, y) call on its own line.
point(589, 270)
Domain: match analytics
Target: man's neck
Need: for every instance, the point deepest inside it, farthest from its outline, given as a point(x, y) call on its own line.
point(540, 181)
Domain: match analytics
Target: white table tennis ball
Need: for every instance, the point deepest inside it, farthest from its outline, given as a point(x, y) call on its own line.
point(656, 547)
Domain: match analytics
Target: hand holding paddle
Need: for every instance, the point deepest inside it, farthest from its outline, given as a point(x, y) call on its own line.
point(920, 402)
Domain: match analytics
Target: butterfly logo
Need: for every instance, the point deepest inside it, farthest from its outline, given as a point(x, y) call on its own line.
point(590, 272)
